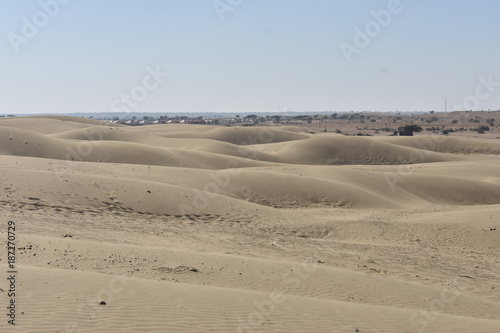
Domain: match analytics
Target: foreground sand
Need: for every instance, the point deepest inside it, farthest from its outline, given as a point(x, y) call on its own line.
point(198, 229)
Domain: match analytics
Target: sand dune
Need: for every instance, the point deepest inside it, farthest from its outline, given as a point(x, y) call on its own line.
point(446, 144)
point(148, 189)
point(187, 228)
point(332, 149)
point(238, 136)
point(20, 142)
point(119, 145)
point(51, 124)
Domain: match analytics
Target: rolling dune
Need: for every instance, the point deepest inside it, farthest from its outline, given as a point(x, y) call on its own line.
point(190, 228)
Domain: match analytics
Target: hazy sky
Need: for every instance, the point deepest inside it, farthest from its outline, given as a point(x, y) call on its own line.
point(248, 55)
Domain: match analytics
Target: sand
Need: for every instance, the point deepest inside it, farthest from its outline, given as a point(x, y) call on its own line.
point(191, 228)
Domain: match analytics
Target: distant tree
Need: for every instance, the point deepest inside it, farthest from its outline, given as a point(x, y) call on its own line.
point(412, 128)
point(432, 112)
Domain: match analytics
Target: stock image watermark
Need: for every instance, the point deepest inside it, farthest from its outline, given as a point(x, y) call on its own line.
point(115, 286)
point(483, 91)
point(266, 308)
point(421, 319)
point(11, 272)
point(39, 20)
point(138, 93)
point(371, 30)
point(78, 152)
point(222, 7)
point(222, 178)
point(423, 144)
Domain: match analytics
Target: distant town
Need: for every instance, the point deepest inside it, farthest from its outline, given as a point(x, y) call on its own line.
point(349, 123)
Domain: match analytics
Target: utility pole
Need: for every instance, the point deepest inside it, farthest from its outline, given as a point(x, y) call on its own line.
point(445, 105)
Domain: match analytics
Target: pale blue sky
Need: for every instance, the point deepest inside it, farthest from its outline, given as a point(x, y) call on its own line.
point(264, 55)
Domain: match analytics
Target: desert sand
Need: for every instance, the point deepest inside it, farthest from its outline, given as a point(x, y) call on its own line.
point(192, 228)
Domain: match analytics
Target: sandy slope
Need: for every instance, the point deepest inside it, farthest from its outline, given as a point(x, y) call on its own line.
point(134, 305)
point(198, 228)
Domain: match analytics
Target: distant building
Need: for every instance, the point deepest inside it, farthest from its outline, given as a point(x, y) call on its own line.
point(402, 132)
